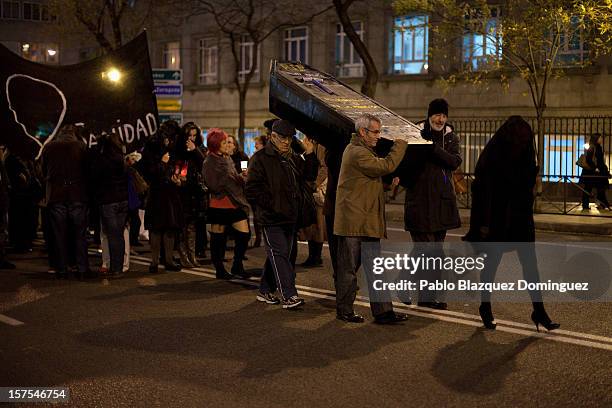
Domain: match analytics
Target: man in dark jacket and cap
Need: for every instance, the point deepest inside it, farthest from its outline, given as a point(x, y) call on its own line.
point(431, 206)
point(275, 187)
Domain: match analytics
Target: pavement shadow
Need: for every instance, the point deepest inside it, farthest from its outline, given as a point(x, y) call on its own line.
point(476, 365)
point(183, 291)
point(262, 340)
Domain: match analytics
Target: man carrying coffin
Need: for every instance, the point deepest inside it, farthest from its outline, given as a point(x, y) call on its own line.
point(360, 218)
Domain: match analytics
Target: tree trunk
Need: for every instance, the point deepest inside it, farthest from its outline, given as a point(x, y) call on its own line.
point(540, 158)
point(242, 115)
point(368, 87)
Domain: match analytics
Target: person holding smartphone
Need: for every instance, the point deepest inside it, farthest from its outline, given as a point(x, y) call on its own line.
point(188, 167)
point(228, 206)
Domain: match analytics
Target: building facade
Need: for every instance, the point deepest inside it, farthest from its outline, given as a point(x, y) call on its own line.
point(398, 43)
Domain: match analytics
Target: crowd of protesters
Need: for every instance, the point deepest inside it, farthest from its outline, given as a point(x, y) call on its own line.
point(176, 186)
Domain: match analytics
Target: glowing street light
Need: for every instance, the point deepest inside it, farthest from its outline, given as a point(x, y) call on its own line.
point(113, 75)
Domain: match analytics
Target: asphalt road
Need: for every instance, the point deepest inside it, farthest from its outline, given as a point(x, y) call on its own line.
point(186, 339)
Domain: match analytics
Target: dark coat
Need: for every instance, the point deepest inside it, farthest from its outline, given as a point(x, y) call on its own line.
point(5, 186)
point(597, 175)
point(192, 192)
point(109, 176)
point(427, 174)
point(65, 169)
point(222, 180)
point(502, 191)
point(278, 189)
point(164, 210)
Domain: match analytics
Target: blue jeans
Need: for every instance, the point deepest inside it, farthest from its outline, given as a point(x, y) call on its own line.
point(113, 218)
point(278, 272)
point(69, 217)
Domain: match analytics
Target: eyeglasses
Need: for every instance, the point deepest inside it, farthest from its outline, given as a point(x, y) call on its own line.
point(372, 131)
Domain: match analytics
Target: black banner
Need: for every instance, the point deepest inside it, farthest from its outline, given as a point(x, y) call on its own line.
point(112, 93)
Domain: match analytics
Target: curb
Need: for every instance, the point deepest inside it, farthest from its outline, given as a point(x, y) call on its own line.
point(603, 228)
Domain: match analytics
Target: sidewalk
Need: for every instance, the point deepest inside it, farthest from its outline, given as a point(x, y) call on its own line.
point(544, 222)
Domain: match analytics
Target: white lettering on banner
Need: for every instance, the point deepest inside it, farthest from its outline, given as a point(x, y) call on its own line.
point(140, 127)
point(129, 133)
point(151, 123)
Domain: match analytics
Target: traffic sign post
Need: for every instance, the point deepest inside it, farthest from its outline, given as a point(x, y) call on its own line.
point(172, 90)
point(169, 93)
point(167, 75)
point(178, 117)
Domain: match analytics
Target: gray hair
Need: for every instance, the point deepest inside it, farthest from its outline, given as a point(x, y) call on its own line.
point(363, 121)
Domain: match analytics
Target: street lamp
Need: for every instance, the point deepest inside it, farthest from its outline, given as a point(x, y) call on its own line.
point(112, 75)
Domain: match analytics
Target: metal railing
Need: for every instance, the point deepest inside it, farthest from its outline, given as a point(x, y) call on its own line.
point(564, 141)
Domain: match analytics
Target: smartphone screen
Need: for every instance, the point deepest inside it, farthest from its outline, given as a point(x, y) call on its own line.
point(244, 164)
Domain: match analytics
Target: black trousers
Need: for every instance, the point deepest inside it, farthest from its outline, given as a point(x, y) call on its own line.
point(350, 254)
point(426, 243)
point(65, 217)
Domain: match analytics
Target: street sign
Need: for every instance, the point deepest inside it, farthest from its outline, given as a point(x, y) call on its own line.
point(171, 116)
point(173, 90)
point(167, 75)
point(169, 105)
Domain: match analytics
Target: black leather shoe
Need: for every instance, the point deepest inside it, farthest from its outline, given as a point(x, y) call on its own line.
point(350, 317)
point(434, 305)
point(153, 269)
point(390, 318)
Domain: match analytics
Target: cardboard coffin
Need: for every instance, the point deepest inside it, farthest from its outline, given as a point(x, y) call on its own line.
point(325, 109)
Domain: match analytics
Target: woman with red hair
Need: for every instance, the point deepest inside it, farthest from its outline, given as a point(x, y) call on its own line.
point(228, 205)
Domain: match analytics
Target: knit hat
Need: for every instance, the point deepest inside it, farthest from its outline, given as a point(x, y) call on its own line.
point(283, 128)
point(437, 106)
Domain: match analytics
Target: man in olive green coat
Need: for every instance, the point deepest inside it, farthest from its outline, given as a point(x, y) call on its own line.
point(360, 218)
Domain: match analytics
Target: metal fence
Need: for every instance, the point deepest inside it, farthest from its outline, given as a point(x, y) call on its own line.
point(564, 141)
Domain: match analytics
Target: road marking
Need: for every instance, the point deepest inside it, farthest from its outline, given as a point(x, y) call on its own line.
point(10, 321)
point(562, 336)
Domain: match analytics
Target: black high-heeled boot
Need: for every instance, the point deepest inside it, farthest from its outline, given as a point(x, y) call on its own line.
point(486, 314)
point(241, 244)
point(217, 252)
point(540, 317)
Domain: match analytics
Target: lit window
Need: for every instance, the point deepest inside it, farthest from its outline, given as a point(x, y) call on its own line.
point(247, 59)
point(208, 61)
point(348, 62)
point(481, 50)
point(296, 44)
point(172, 55)
point(573, 49)
point(410, 43)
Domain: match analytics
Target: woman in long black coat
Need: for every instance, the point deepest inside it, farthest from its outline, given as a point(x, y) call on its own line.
point(189, 161)
point(596, 175)
point(502, 209)
point(164, 212)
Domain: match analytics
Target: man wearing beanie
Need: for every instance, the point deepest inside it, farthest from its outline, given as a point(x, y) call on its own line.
point(274, 187)
point(431, 207)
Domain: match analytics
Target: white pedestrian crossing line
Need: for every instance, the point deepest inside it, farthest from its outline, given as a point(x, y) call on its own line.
point(506, 326)
point(10, 321)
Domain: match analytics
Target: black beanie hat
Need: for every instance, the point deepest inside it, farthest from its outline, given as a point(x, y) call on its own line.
point(283, 128)
point(437, 106)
